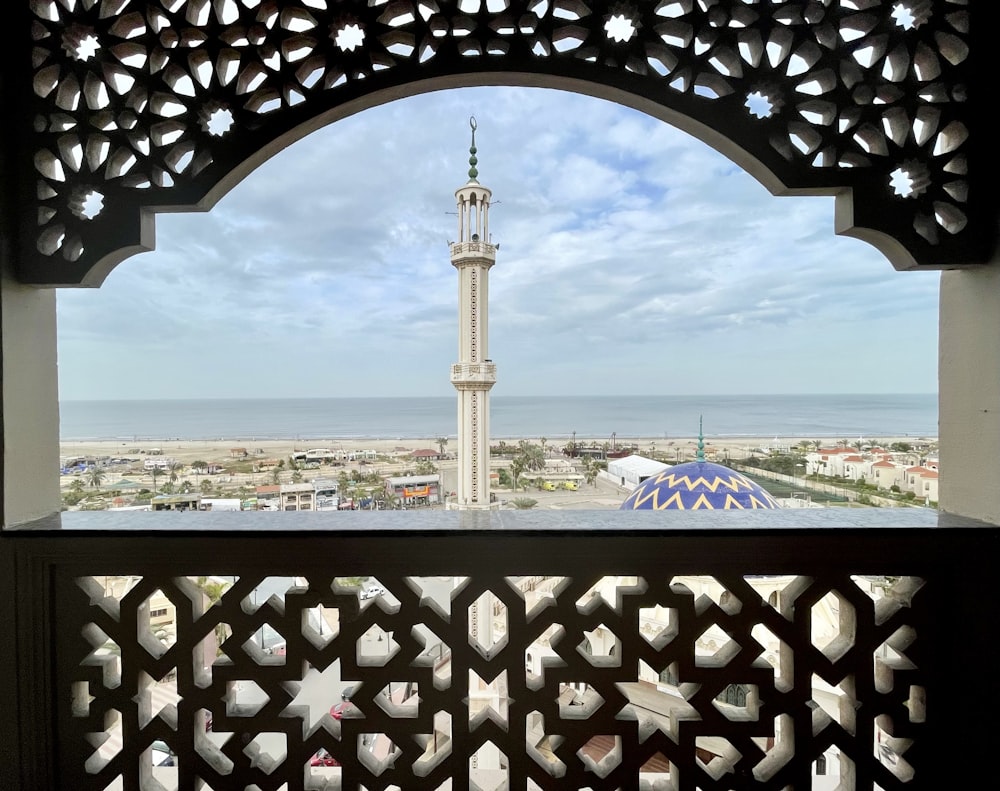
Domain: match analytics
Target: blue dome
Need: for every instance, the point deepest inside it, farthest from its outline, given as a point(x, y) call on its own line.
point(698, 485)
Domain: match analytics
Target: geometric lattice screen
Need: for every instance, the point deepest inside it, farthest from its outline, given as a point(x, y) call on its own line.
point(128, 107)
point(674, 682)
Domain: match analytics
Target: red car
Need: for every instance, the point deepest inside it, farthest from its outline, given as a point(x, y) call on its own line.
point(338, 711)
point(345, 706)
point(323, 758)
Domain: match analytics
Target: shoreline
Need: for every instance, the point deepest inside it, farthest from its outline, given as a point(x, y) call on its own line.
point(220, 449)
point(564, 438)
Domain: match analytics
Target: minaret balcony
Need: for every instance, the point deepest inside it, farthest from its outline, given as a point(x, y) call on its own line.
point(474, 373)
point(472, 250)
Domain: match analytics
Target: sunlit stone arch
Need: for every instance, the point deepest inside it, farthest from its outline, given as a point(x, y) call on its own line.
point(140, 106)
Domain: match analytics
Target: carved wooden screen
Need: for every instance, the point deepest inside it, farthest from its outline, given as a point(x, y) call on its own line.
point(132, 106)
point(489, 680)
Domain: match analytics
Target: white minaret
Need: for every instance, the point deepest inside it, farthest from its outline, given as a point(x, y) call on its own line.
point(474, 373)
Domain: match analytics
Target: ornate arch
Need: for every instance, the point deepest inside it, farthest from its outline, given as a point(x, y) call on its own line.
point(135, 106)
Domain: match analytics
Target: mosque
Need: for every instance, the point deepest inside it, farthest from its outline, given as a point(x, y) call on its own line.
point(698, 485)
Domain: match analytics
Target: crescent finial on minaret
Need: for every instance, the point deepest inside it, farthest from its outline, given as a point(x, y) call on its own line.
point(473, 173)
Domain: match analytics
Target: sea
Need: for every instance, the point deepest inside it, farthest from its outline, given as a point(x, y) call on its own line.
point(553, 417)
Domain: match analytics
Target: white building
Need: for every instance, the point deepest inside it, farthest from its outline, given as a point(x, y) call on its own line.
point(157, 463)
point(327, 494)
point(474, 374)
point(630, 471)
point(922, 482)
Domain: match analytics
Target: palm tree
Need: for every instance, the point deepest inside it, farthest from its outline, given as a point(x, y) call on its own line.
point(154, 471)
point(213, 591)
point(175, 471)
point(296, 477)
point(389, 501)
point(543, 440)
point(531, 456)
point(516, 468)
point(206, 487)
point(441, 442)
point(528, 457)
point(343, 482)
point(95, 477)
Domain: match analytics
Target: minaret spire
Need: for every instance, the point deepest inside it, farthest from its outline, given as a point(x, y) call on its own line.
point(474, 374)
point(473, 161)
point(701, 442)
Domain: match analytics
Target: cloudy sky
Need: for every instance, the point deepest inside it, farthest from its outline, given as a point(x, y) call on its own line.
point(633, 260)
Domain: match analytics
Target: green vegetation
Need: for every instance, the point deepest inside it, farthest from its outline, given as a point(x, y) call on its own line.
point(523, 503)
point(425, 467)
point(529, 457)
point(785, 463)
point(214, 592)
point(788, 464)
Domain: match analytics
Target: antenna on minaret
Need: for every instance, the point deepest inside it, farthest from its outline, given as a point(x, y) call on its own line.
point(473, 173)
point(701, 442)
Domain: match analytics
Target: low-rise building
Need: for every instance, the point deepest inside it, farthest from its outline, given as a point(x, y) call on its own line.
point(221, 504)
point(427, 454)
point(157, 463)
point(922, 482)
point(327, 494)
point(415, 489)
point(321, 455)
point(885, 474)
point(632, 470)
point(176, 502)
point(297, 497)
point(268, 498)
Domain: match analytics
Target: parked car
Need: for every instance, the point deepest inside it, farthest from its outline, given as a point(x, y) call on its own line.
point(323, 758)
point(370, 591)
point(345, 707)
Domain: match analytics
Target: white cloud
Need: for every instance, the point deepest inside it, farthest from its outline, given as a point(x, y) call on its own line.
point(633, 259)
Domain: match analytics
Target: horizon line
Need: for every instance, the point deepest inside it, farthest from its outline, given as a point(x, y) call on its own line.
point(507, 395)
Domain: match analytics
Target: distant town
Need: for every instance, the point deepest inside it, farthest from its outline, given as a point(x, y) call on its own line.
point(523, 474)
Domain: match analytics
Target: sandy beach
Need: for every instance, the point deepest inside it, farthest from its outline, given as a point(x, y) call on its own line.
point(221, 451)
